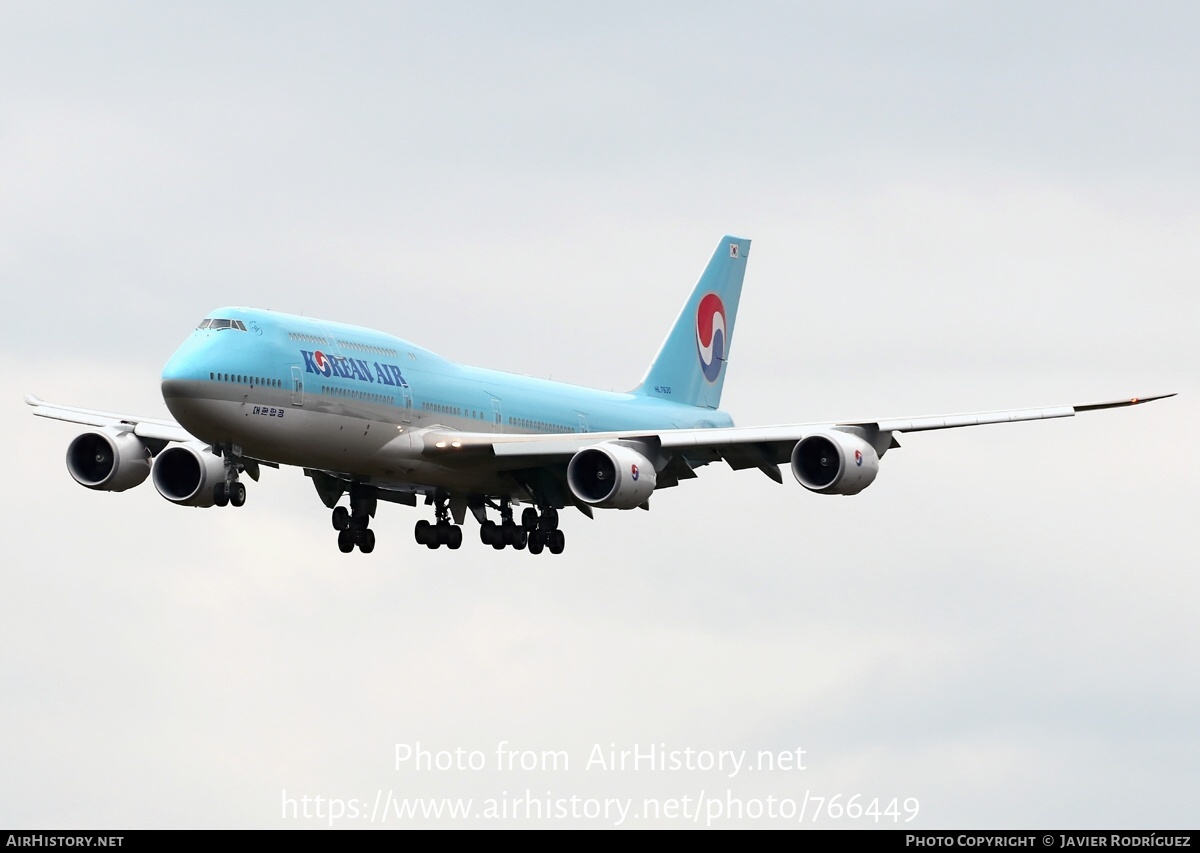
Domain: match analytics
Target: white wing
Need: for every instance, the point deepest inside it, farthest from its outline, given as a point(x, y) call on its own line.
point(151, 428)
point(741, 447)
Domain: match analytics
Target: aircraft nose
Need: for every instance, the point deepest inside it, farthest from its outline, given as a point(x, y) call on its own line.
point(181, 365)
point(175, 368)
point(186, 365)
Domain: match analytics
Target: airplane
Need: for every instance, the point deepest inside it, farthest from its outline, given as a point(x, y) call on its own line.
point(371, 417)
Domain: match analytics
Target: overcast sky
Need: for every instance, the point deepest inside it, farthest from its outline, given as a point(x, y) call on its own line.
point(954, 207)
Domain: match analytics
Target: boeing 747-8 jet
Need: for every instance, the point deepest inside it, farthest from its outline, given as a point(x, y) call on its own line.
point(371, 417)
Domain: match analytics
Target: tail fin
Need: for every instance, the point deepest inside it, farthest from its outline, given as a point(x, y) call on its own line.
point(690, 365)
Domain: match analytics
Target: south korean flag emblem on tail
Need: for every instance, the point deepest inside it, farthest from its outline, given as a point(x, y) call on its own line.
point(710, 335)
point(733, 250)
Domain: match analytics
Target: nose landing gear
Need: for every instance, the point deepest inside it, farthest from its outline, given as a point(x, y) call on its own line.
point(230, 490)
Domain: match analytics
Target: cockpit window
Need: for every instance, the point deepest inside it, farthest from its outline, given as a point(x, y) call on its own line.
point(216, 323)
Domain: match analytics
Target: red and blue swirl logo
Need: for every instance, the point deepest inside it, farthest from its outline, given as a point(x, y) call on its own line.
point(322, 362)
point(710, 335)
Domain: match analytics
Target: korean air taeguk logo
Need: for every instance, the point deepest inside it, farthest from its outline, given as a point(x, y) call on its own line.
point(710, 335)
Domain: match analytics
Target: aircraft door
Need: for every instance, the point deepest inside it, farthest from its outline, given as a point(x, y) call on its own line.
point(297, 386)
point(406, 411)
point(497, 415)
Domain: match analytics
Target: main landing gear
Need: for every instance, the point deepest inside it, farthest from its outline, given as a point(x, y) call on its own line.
point(443, 532)
point(230, 490)
point(535, 532)
point(351, 524)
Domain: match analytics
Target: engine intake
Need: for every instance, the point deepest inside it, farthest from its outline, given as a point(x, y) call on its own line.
point(611, 476)
point(185, 474)
point(108, 460)
point(834, 463)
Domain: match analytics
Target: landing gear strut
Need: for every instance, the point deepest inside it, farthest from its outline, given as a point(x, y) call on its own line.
point(545, 532)
point(352, 524)
point(443, 532)
point(230, 490)
point(537, 531)
point(506, 533)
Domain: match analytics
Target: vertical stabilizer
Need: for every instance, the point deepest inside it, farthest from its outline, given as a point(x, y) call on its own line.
point(690, 365)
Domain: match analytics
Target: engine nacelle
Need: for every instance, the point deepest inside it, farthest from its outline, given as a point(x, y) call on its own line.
point(612, 476)
point(186, 474)
point(108, 460)
point(834, 463)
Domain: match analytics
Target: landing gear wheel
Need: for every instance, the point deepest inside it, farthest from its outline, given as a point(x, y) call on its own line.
point(237, 494)
point(536, 542)
point(220, 495)
point(443, 532)
point(455, 538)
point(487, 532)
point(365, 540)
point(550, 519)
point(520, 538)
point(341, 518)
point(556, 541)
point(346, 541)
point(423, 531)
point(529, 519)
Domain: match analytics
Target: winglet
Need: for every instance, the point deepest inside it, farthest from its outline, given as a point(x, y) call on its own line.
point(1120, 404)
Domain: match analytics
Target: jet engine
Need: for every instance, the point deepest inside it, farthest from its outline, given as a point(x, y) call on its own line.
point(108, 460)
point(186, 474)
point(834, 463)
point(611, 476)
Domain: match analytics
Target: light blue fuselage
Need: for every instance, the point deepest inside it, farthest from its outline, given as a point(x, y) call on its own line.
point(299, 391)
